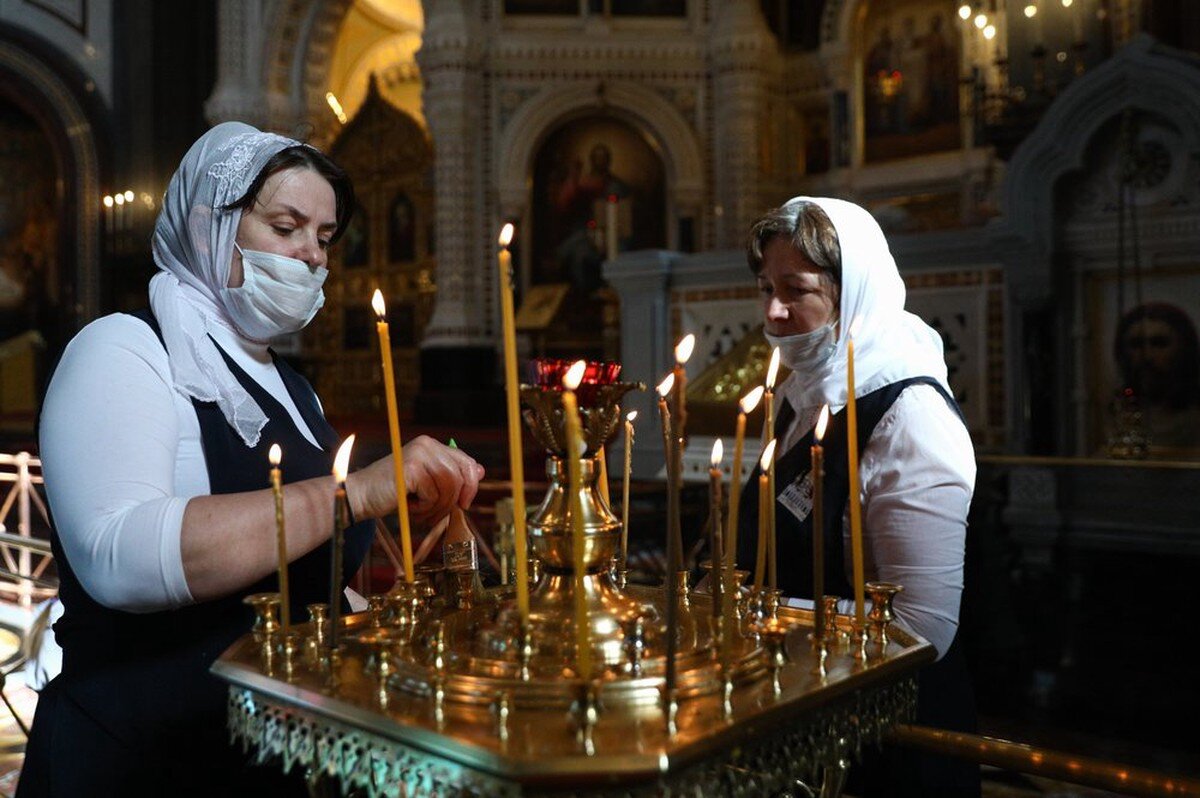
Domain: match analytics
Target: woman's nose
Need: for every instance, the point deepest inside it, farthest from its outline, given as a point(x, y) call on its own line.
point(312, 253)
point(776, 310)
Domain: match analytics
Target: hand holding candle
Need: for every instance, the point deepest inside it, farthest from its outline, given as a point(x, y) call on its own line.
point(341, 466)
point(389, 389)
point(512, 389)
point(818, 525)
point(583, 643)
point(285, 615)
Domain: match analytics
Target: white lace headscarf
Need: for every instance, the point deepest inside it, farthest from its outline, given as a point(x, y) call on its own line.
point(890, 344)
point(193, 249)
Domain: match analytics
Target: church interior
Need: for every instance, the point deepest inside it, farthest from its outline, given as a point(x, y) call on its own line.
point(1034, 165)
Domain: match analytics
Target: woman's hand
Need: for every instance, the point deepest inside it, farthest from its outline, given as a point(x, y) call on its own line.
point(437, 477)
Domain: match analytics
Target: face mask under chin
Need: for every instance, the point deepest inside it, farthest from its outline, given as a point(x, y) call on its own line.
point(806, 351)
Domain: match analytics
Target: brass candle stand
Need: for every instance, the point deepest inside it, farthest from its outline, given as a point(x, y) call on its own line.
point(427, 695)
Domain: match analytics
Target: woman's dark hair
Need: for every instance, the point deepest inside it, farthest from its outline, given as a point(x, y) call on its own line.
point(306, 157)
point(808, 228)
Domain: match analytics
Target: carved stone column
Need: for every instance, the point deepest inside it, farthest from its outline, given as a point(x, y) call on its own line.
point(239, 92)
point(458, 352)
point(742, 51)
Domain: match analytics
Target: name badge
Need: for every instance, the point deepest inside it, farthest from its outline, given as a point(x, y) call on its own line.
point(798, 496)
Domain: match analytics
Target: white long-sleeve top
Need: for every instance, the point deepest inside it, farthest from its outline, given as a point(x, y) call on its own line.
point(122, 456)
point(917, 475)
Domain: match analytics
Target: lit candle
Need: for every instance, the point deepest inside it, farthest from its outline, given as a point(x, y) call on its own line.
point(610, 227)
point(856, 542)
point(683, 351)
point(341, 465)
point(715, 539)
point(512, 397)
point(629, 417)
point(120, 200)
point(108, 213)
point(769, 432)
point(389, 390)
point(670, 445)
point(275, 455)
point(746, 406)
point(818, 525)
point(583, 643)
point(764, 462)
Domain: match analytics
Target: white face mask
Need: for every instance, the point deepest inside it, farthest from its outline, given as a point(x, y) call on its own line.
point(804, 352)
point(278, 295)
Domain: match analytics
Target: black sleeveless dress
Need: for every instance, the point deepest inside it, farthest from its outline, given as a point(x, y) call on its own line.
point(945, 695)
point(135, 710)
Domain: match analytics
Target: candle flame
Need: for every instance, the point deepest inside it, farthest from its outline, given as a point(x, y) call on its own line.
point(377, 304)
point(718, 453)
point(341, 463)
point(630, 416)
point(506, 234)
point(683, 350)
point(666, 385)
point(822, 421)
point(768, 456)
point(773, 369)
point(275, 455)
point(751, 400)
point(574, 375)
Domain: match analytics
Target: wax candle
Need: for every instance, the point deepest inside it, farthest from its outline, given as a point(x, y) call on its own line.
point(745, 406)
point(629, 417)
point(856, 541)
point(610, 227)
point(716, 546)
point(583, 642)
point(602, 477)
point(769, 432)
point(341, 466)
point(670, 445)
point(683, 351)
point(512, 389)
point(393, 416)
point(764, 501)
point(275, 455)
point(818, 525)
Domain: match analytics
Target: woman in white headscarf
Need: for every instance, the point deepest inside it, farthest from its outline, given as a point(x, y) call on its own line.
point(824, 269)
point(154, 438)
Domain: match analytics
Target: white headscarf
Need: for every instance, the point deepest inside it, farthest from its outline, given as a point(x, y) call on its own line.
point(193, 248)
point(890, 344)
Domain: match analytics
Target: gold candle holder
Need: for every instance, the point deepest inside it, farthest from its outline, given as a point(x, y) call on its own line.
point(266, 615)
point(880, 617)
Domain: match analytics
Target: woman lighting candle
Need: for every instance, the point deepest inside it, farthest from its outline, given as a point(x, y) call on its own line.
point(275, 455)
point(389, 391)
point(341, 466)
point(512, 389)
point(583, 642)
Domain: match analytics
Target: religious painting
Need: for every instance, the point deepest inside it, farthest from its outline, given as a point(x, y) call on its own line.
point(598, 185)
point(356, 241)
point(910, 79)
point(402, 230)
point(1144, 364)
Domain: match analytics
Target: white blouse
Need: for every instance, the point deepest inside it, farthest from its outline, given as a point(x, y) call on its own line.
point(121, 456)
point(917, 475)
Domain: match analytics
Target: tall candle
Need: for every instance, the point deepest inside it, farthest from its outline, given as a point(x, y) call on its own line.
point(285, 613)
point(683, 352)
point(818, 525)
point(769, 432)
point(583, 640)
point(745, 407)
point(389, 390)
point(715, 540)
point(341, 465)
point(602, 477)
point(764, 501)
point(856, 541)
point(610, 227)
point(625, 488)
point(512, 402)
point(670, 444)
